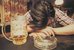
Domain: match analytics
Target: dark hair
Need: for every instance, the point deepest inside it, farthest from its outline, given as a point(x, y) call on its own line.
point(41, 11)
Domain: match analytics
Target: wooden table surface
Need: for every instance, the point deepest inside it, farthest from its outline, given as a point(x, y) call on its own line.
point(64, 43)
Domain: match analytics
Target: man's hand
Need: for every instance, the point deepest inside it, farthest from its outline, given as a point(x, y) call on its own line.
point(47, 32)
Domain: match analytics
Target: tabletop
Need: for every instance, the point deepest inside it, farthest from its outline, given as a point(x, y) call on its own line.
point(63, 43)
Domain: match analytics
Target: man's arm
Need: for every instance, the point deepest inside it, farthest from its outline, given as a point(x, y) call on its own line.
point(66, 30)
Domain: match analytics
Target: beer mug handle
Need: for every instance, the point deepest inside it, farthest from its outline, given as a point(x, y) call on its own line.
point(3, 33)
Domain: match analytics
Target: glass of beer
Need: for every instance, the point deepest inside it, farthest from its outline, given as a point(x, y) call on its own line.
point(19, 30)
point(14, 14)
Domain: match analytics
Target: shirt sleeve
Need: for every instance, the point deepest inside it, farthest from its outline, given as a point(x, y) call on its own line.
point(62, 17)
point(28, 17)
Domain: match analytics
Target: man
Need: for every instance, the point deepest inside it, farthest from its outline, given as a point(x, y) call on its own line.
point(43, 9)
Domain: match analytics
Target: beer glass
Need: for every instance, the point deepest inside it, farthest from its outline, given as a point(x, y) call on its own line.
point(17, 13)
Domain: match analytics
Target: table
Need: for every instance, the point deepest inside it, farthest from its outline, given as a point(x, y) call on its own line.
point(64, 43)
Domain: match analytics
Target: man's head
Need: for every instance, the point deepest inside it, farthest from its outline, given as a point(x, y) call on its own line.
point(41, 11)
